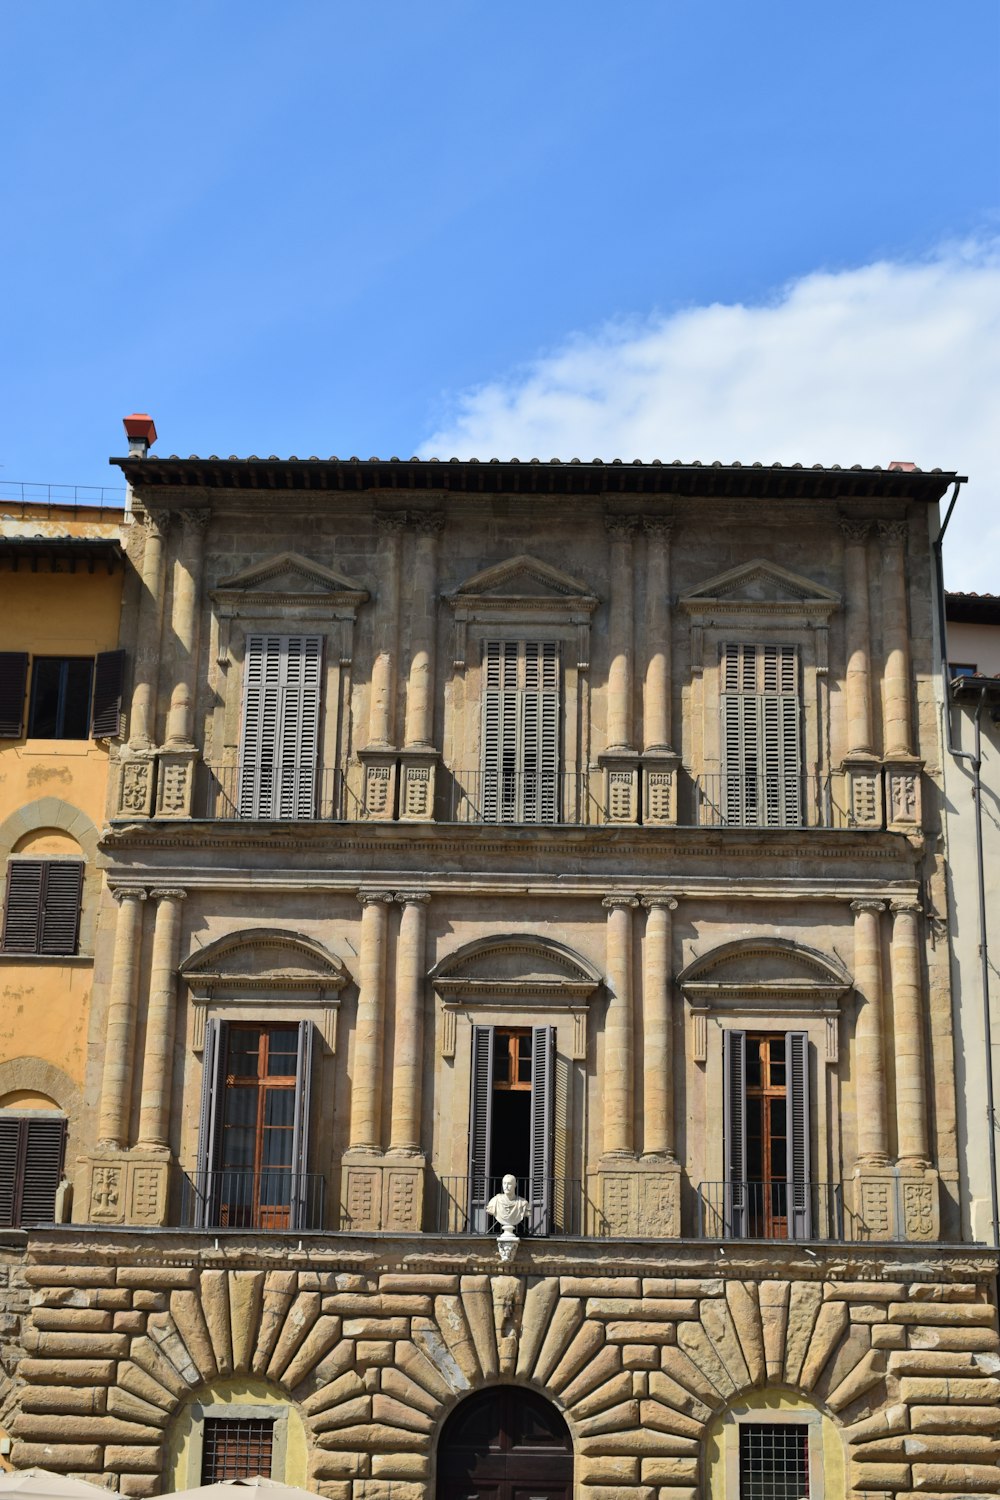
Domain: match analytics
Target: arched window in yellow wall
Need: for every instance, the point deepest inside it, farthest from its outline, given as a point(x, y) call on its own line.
point(236, 1428)
point(774, 1445)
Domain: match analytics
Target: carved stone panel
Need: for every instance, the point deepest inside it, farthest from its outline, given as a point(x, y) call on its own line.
point(416, 799)
point(136, 784)
point(175, 786)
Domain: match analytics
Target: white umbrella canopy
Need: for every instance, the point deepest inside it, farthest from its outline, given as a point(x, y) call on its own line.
point(229, 1489)
point(42, 1484)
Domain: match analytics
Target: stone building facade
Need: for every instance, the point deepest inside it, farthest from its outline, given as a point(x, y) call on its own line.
point(574, 821)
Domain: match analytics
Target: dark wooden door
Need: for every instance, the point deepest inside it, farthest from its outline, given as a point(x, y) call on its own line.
point(505, 1444)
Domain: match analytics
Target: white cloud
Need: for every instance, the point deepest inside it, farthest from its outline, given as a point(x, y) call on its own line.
point(895, 360)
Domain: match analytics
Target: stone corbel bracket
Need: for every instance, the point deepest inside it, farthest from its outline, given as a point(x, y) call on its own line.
point(249, 972)
point(801, 983)
point(519, 973)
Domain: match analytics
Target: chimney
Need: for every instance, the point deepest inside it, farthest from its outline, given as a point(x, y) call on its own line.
point(140, 429)
point(903, 465)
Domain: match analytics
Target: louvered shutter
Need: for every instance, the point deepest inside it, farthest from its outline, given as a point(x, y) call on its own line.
point(279, 746)
point(779, 709)
point(259, 737)
point(734, 1130)
point(543, 1088)
point(303, 1211)
point(480, 1126)
point(799, 1185)
point(540, 732)
point(500, 732)
point(13, 682)
point(106, 712)
point(62, 894)
point(761, 733)
point(10, 1155)
point(520, 759)
point(213, 1084)
point(22, 916)
point(44, 1151)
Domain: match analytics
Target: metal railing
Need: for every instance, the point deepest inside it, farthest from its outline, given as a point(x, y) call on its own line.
point(519, 799)
point(30, 492)
point(556, 1206)
point(803, 1210)
point(297, 794)
point(722, 800)
point(239, 1198)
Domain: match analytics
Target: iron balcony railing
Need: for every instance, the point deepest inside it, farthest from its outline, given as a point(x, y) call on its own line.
point(239, 1198)
point(802, 1210)
point(725, 800)
point(556, 1206)
point(519, 798)
point(298, 793)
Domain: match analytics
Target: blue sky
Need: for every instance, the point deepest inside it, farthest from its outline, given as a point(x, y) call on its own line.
point(330, 228)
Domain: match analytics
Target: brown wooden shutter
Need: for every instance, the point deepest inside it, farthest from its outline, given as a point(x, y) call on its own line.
point(61, 901)
point(22, 915)
point(213, 1083)
point(32, 1151)
point(543, 1089)
point(303, 1210)
point(734, 1130)
point(10, 1151)
point(13, 682)
point(480, 1126)
point(109, 678)
point(799, 1185)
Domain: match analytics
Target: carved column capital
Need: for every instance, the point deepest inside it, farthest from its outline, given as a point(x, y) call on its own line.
point(157, 521)
point(196, 519)
point(621, 528)
point(611, 902)
point(905, 908)
point(168, 893)
point(894, 532)
point(128, 892)
point(375, 898)
point(413, 898)
point(854, 530)
point(668, 902)
point(658, 528)
point(426, 522)
point(391, 522)
point(867, 905)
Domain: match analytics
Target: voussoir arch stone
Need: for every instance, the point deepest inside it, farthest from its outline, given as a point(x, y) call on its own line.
point(35, 1075)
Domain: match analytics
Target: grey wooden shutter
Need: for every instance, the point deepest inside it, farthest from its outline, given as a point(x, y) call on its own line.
point(13, 682)
point(799, 1185)
point(32, 1151)
point(780, 734)
point(500, 732)
point(279, 744)
point(44, 1149)
point(22, 915)
point(480, 1126)
point(213, 1083)
point(62, 893)
point(303, 1210)
point(521, 710)
point(543, 1088)
point(540, 733)
point(761, 735)
point(10, 1149)
point(734, 1130)
point(106, 710)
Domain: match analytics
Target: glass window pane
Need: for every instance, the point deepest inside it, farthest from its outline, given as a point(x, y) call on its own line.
point(46, 673)
point(76, 699)
point(282, 1053)
point(244, 1045)
point(753, 1062)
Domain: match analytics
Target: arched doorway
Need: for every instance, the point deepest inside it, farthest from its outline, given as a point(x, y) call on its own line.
point(505, 1444)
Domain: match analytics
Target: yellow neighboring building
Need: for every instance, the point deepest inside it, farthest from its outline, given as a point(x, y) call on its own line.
point(61, 574)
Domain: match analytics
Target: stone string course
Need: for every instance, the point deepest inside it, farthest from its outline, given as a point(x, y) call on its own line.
point(375, 1359)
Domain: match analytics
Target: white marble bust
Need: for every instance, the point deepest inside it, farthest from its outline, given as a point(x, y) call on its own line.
point(506, 1207)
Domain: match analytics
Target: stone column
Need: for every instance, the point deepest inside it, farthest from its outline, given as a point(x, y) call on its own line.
point(859, 630)
point(157, 1068)
point(869, 1034)
point(116, 1085)
point(657, 1030)
point(419, 758)
point(618, 1083)
point(146, 666)
point(366, 1085)
point(908, 1027)
point(897, 712)
point(408, 1047)
point(620, 633)
point(382, 713)
point(184, 624)
point(659, 761)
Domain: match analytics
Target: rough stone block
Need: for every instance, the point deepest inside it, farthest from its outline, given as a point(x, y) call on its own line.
point(68, 1371)
point(641, 1357)
point(602, 1367)
point(957, 1418)
point(651, 1309)
point(149, 1301)
point(155, 1278)
point(600, 1286)
point(646, 1444)
point(641, 1333)
point(134, 1459)
point(81, 1345)
point(416, 1283)
point(397, 1414)
point(389, 1489)
point(955, 1477)
point(129, 1322)
point(950, 1388)
point(953, 1314)
point(68, 1458)
point(611, 1393)
point(621, 1492)
point(376, 1328)
point(374, 1352)
point(72, 1320)
point(880, 1476)
point(618, 1418)
point(670, 1470)
point(401, 1465)
point(327, 1463)
point(609, 1470)
point(88, 1401)
point(950, 1338)
point(139, 1485)
point(78, 1277)
point(888, 1336)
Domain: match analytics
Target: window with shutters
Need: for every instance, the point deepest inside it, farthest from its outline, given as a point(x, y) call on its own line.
point(42, 906)
point(13, 686)
point(761, 735)
point(254, 1137)
point(511, 1119)
point(520, 732)
point(279, 744)
point(767, 1128)
point(32, 1151)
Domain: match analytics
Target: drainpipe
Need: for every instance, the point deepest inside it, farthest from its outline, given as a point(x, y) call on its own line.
point(975, 760)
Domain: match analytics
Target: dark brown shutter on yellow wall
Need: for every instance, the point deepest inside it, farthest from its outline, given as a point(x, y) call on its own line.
point(109, 676)
point(13, 682)
point(32, 1150)
point(42, 909)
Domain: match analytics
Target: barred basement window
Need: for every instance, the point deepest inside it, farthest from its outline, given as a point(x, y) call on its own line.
point(774, 1461)
point(236, 1449)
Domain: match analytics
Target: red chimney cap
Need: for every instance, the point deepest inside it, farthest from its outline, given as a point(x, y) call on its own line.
point(903, 464)
point(140, 425)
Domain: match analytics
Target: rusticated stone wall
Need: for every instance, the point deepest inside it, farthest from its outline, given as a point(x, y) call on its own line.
point(376, 1347)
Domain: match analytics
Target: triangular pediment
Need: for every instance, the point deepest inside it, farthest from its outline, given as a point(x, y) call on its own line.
point(523, 577)
point(290, 573)
point(760, 582)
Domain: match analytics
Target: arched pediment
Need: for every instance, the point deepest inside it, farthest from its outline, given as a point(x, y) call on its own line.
point(765, 976)
point(762, 586)
point(523, 579)
point(252, 969)
point(511, 965)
